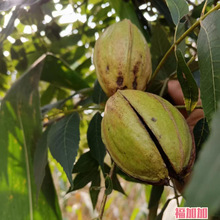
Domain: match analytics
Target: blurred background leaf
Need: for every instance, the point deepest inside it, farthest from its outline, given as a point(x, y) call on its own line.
point(20, 125)
point(178, 8)
point(203, 189)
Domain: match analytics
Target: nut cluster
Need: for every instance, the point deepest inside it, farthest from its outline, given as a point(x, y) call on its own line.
point(145, 135)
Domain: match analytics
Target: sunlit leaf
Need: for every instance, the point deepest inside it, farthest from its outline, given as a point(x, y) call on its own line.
point(20, 125)
point(40, 160)
point(6, 5)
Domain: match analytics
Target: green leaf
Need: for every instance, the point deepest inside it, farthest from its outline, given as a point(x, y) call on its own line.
point(40, 159)
point(63, 142)
point(155, 196)
point(94, 189)
point(48, 95)
point(201, 132)
point(3, 65)
point(178, 8)
point(160, 216)
point(125, 9)
point(180, 29)
point(156, 193)
point(82, 179)
point(161, 6)
point(203, 189)
point(58, 73)
point(85, 163)
point(97, 148)
point(20, 126)
point(108, 185)
point(115, 182)
point(98, 94)
point(209, 63)
point(159, 46)
point(49, 191)
point(187, 82)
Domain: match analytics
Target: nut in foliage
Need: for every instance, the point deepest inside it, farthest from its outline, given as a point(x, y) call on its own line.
point(147, 137)
point(122, 58)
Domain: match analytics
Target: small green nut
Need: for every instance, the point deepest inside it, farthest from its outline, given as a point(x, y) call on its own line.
point(122, 58)
point(147, 137)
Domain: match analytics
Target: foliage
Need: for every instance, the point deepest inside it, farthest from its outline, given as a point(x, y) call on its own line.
point(50, 100)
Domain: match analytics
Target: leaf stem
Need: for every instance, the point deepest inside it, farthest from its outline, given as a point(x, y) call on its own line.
point(176, 195)
point(64, 113)
point(104, 199)
point(183, 107)
point(180, 39)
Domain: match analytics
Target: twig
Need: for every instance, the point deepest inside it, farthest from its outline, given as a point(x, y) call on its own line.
point(63, 113)
point(180, 39)
point(176, 195)
point(183, 107)
point(164, 87)
point(204, 7)
point(104, 199)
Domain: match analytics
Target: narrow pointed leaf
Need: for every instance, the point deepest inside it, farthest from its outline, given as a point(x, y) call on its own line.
point(63, 142)
point(97, 148)
point(156, 193)
point(115, 181)
point(209, 63)
point(94, 190)
point(40, 160)
point(108, 185)
point(20, 126)
point(187, 82)
point(82, 179)
point(180, 29)
point(98, 94)
point(201, 132)
point(85, 163)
